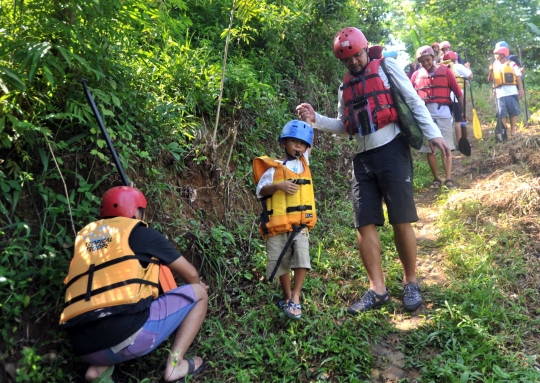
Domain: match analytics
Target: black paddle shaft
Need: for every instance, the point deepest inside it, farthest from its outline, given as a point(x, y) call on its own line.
point(125, 180)
point(464, 112)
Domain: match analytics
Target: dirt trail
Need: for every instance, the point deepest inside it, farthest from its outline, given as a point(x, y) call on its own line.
point(390, 361)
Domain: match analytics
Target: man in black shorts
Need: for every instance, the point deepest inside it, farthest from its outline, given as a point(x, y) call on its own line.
point(383, 165)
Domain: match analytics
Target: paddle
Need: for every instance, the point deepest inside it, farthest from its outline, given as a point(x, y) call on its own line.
point(166, 279)
point(463, 144)
point(527, 114)
point(477, 129)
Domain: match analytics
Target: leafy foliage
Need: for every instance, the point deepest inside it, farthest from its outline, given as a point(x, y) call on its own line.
point(154, 69)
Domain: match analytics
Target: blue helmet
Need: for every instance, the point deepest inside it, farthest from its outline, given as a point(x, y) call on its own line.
point(501, 44)
point(392, 54)
point(297, 129)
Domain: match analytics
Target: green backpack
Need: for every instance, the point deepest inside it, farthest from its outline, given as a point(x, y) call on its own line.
point(408, 124)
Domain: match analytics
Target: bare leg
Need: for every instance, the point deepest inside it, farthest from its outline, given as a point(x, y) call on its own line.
point(513, 128)
point(447, 166)
point(370, 251)
point(432, 162)
point(285, 281)
point(299, 276)
point(503, 120)
point(405, 241)
point(177, 366)
point(94, 372)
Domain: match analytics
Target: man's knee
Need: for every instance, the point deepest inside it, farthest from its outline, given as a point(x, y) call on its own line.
point(200, 292)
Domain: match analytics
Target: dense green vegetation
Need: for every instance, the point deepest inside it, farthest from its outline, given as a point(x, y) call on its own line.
point(155, 69)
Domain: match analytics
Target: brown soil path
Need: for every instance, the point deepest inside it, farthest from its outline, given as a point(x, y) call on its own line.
point(390, 361)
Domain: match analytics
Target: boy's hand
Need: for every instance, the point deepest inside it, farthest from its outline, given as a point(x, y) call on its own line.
point(288, 187)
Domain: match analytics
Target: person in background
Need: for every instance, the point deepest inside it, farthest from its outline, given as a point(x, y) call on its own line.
point(413, 67)
point(511, 57)
point(434, 83)
point(506, 77)
point(437, 51)
point(462, 74)
point(113, 311)
point(445, 47)
point(383, 164)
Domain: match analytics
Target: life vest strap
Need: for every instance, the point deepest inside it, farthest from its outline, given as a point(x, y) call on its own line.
point(107, 288)
point(264, 216)
point(92, 269)
point(292, 209)
point(301, 181)
point(89, 284)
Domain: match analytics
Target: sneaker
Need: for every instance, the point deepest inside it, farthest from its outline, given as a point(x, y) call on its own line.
point(412, 297)
point(368, 301)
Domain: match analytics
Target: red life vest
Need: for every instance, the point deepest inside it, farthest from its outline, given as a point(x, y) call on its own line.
point(433, 88)
point(368, 85)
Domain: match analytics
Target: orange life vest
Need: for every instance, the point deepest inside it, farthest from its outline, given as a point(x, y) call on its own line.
point(503, 74)
point(433, 88)
point(281, 210)
point(105, 272)
point(368, 85)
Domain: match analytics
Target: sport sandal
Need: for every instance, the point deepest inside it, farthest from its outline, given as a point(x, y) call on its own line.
point(436, 184)
point(369, 300)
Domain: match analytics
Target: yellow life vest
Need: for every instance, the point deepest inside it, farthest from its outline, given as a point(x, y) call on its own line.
point(503, 74)
point(459, 79)
point(282, 210)
point(105, 272)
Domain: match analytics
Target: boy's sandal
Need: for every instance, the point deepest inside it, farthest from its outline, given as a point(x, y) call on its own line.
point(294, 306)
point(449, 184)
point(436, 184)
point(283, 303)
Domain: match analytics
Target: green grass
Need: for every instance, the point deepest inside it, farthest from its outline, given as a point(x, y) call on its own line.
point(472, 333)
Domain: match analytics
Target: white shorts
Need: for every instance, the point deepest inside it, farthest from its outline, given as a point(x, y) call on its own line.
point(446, 126)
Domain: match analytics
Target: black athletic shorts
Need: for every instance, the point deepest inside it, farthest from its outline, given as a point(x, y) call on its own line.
point(457, 112)
point(384, 173)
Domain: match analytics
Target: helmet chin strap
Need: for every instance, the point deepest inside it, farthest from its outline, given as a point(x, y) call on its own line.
point(291, 157)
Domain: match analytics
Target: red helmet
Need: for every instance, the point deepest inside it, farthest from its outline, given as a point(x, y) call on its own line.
point(348, 42)
point(450, 56)
point(375, 52)
point(121, 201)
point(423, 51)
point(445, 44)
point(435, 45)
point(502, 51)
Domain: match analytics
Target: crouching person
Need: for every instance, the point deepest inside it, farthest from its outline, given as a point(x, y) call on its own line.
point(113, 311)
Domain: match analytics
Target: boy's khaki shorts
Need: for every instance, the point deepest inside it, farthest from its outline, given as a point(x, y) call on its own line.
point(296, 257)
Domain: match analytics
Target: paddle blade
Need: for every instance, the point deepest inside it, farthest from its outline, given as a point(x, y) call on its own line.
point(464, 146)
point(477, 129)
point(166, 279)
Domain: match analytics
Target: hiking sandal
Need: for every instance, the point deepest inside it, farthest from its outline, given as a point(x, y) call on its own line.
point(369, 300)
point(449, 184)
point(436, 184)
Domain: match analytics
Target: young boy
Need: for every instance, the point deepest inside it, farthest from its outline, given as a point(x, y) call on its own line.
point(285, 189)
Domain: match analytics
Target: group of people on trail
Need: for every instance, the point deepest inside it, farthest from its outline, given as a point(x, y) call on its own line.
point(117, 306)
